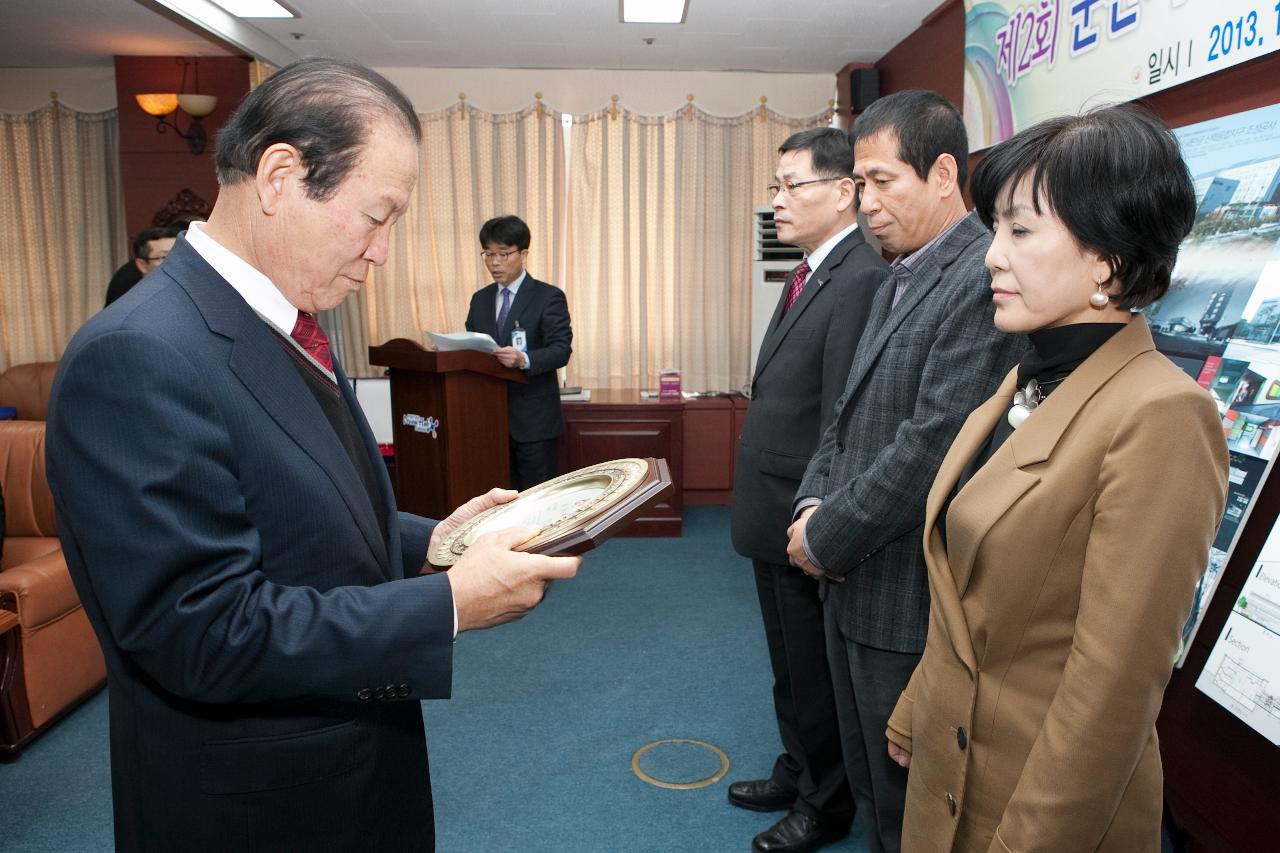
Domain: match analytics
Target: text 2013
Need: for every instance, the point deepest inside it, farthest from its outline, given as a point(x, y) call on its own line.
point(1238, 34)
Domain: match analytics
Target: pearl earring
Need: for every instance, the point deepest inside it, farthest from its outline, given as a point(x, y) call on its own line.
point(1100, 299)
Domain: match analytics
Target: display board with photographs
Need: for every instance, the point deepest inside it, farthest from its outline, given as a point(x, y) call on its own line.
point(1242, 673)
point(1220, 320)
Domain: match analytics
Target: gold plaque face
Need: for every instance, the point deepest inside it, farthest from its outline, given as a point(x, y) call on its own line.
point(554, 507)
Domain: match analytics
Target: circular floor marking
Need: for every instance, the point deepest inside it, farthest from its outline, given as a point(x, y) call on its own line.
point(681, 786)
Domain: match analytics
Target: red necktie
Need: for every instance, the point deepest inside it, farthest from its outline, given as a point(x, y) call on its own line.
point(797, 285)
point(311, 337)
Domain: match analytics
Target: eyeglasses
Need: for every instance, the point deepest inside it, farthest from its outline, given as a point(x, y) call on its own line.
point(155, 259)
point(501, 256)
point(792, 186)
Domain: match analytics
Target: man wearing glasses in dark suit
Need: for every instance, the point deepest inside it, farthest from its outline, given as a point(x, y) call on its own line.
point(800, 371)
point(530, 321)
point(150, 248)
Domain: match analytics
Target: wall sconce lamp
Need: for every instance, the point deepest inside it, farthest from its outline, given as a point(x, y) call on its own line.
point(162, 105)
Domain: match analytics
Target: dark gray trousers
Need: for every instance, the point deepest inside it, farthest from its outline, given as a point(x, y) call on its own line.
point(867, 683)
point(810, 763)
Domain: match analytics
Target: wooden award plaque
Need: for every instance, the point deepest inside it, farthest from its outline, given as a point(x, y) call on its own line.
point(574, 513)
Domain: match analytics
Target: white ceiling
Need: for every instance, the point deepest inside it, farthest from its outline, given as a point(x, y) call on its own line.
point(71, 33)
point(719, 35)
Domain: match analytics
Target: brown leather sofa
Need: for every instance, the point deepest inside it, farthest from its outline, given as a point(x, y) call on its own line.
point(26, 387)
point(50, 660)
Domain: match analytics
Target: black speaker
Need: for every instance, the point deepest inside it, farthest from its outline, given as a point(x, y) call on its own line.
point(864, 87)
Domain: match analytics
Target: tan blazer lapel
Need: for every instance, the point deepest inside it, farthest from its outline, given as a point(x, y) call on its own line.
point(1037, 438)
point(945, 585)
point(999, 484)
point(995, 488)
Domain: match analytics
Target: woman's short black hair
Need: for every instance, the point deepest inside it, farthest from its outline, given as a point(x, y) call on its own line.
point(1115, 178)
point(322, 107)
point(506, 231)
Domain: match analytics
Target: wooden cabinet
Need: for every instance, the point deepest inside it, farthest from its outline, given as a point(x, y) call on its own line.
point(698, 438)
point(711, 429)
point(620, 423)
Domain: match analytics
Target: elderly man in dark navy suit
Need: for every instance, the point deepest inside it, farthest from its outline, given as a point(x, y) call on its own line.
point(228, 522)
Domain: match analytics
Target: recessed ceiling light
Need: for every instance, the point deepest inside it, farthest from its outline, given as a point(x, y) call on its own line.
point(255, 8)
point(653, 11)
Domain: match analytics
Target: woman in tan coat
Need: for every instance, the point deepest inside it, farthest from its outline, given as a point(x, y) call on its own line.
point(1072, 517)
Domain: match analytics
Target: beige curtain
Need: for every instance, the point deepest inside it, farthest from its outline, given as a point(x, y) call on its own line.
point(259, 71)
point(660, 243)
point(474, 166)
point(62, 228)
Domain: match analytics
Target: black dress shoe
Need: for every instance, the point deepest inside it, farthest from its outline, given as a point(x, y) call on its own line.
point(761, 795)
point(797, 833)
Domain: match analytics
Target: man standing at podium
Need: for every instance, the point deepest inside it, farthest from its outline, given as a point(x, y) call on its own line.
point(530, 321)
point(800, 371)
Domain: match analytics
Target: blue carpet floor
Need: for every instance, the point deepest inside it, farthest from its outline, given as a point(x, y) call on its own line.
point(655, 639)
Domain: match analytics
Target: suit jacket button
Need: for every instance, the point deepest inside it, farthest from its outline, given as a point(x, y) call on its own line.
point(379, 692)
point(403, 692)
point(962, 740)
point(951, 805)
point(363, 693)
point(839, 447)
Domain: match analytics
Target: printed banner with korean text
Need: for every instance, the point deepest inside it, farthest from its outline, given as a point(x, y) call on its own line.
point(1028, 60)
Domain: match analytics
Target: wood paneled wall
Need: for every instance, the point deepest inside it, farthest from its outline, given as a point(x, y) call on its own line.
point(156, 166)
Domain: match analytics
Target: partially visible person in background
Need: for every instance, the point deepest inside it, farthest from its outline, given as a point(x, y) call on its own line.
point(150, 248)
point(1071, 519)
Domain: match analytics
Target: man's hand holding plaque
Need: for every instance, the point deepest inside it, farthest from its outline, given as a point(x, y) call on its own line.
point(494, 583)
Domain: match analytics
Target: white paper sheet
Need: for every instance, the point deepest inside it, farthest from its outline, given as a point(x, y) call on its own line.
point(451, 341)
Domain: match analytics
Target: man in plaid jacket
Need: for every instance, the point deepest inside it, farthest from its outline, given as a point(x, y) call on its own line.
point(930, 355)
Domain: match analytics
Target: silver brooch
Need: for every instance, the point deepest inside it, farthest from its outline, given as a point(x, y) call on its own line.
point(1025, 401)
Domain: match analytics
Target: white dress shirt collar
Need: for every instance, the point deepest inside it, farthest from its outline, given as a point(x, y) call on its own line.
point(820, 254)
point(254, 287)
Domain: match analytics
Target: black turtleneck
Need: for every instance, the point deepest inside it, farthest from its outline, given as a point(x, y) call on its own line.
point(1055, 353)
point(1058, 351)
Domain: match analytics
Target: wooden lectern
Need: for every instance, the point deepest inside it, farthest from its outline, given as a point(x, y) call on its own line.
point(449, 415)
